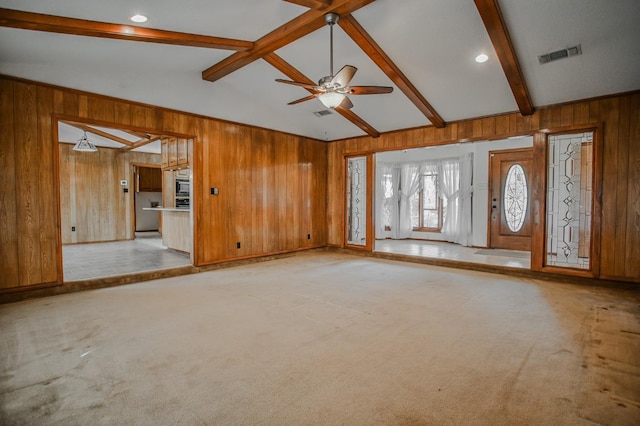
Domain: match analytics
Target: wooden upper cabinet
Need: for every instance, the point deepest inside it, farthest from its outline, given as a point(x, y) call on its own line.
point(176, 152)
point(183, 152)
point(164, 151)
point(149, 179)
point(173, 152)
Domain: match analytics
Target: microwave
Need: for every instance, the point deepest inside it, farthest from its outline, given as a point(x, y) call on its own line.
point(182, 187)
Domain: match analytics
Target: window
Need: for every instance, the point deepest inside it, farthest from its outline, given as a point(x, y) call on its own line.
point(515, 197)
point(387, 188)
point(427, 205)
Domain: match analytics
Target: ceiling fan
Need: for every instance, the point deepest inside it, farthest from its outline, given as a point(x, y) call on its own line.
point(332, 90)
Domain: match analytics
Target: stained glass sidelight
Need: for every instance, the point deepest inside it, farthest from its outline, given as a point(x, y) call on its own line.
point(569, 194)
point(515, 197)
point(356, 201)
point(387, 189)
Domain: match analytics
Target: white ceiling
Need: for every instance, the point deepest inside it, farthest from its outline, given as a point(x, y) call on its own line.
point(71, 134)
point(433, 42)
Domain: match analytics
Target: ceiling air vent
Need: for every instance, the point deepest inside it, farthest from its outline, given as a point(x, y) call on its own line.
point(322, 113)
point(560, 54)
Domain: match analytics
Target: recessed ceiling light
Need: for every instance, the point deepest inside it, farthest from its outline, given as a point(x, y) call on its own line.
point(138, 18)
point(482, 58)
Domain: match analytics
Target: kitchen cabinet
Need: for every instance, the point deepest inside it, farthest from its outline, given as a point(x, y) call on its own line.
point(169, 189)
point(183, 152)
point(149, 180)
point(164, 152)
point(172, 149)
point(176, 230)
point(176, 152)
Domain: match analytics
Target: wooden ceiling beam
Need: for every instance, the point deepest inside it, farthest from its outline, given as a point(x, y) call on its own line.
point(141, 135)
point(311, 4)
point(59, 24)
point(141, 143)
point(287, 69)
point(354, 30)
point(294, 74)
point(298, 27)
point(98, 132)
point(355, 119)
point(497, 30)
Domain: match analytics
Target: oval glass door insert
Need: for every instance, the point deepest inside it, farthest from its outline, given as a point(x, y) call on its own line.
point(515, 197)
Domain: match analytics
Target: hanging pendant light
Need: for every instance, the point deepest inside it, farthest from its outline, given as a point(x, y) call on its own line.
point(83, 145)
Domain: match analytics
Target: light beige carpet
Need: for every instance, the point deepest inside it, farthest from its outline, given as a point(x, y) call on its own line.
point(326, 339)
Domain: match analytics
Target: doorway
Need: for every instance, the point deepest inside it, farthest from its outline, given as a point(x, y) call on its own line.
point(147, 194)
point(99, 193)
point(434, 241)
point(509, 199)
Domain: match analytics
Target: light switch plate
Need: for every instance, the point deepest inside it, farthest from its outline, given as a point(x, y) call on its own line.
point(123, 182)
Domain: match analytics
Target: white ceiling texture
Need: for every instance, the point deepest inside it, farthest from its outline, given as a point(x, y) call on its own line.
point(433, 42)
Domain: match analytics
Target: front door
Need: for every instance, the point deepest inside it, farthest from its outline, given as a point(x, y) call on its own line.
point(510, 200)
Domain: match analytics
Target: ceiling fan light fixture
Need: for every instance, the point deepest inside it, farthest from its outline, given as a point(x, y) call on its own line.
point(331, 99)
point(83, 145)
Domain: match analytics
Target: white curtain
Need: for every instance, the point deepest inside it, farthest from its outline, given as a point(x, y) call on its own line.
point(387, 198)
point(410, 180)
point(465, 233)
point(456, 177)
point(449, 171)
point(455, 186)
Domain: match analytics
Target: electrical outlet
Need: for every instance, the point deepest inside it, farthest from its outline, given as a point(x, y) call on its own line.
point(73, 229)
point(308, 236)
point(238, 244)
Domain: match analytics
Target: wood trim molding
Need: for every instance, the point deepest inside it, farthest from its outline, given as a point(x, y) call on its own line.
point(538, 201)
point(353, 28)
point(311, 4)
point(63, 25)
point(294, 74)
point(539, 198)
point(297, 28)
point(497, 30)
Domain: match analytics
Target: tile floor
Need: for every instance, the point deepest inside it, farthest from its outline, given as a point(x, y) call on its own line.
point(99, 260)
point(146, 253)
point(442, 250)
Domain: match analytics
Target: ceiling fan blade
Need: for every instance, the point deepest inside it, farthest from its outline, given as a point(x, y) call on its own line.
point(297, 83)
point(344, 76)
point(346, 103)
point(368, 90)
point(306, 98)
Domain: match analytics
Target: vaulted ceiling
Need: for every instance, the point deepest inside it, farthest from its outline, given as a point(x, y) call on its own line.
point(220, 58)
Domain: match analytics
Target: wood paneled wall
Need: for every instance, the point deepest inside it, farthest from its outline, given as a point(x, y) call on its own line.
point(274, 188)
point(91, 197)
point(272, 185)
point(29, 217)
point(620, 115)
point(271, 192)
